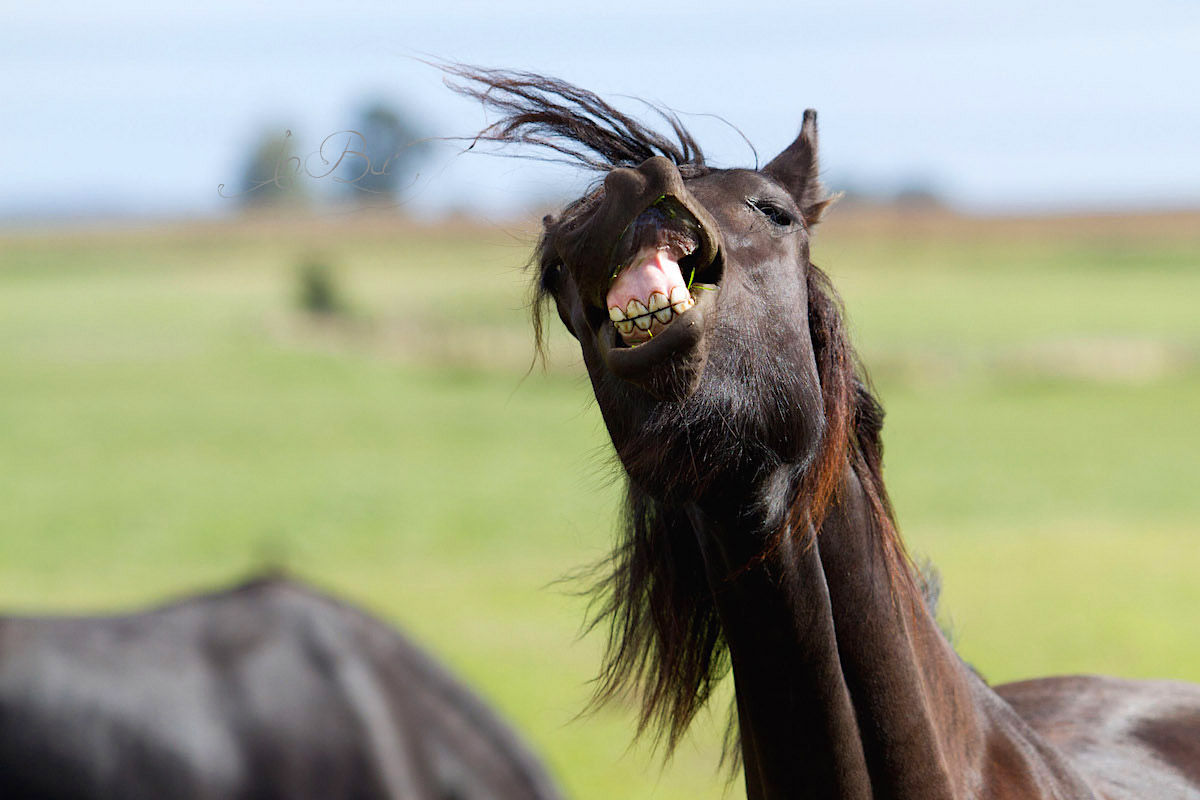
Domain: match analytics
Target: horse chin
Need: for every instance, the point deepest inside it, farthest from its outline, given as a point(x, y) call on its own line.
point(669, 365)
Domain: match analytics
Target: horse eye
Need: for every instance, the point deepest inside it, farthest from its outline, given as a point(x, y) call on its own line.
point(777, 215)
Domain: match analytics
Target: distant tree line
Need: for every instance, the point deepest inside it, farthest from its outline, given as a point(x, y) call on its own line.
point(371, 162)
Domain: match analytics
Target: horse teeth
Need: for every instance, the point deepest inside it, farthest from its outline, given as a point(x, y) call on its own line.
point(660, 307)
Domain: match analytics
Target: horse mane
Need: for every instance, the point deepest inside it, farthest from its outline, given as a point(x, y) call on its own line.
point(665, 643)
point(582, 128)
point(853, 431)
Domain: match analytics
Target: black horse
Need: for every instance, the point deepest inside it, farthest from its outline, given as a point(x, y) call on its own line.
point(758, 534)
point(269, 691)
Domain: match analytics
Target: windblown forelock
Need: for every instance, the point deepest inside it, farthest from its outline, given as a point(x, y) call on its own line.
point(573, 123)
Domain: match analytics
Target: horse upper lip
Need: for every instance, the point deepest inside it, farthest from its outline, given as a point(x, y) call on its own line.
point(641, 290)
point(635, 290)
point(707, 246)
point(710, 244)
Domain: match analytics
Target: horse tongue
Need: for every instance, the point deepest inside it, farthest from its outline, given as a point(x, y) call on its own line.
point(651, 270)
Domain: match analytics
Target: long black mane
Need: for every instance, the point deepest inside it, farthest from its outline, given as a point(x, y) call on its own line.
point(664, 636)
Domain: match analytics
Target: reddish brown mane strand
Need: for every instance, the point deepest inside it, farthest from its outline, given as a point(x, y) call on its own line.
point(852, 433)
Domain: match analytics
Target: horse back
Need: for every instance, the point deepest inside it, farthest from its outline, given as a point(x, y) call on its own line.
point(268, 691)
point(1130, 739)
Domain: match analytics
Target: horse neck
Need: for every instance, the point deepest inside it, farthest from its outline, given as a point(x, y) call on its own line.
point(923, 722)
point(799, 736)
point(845, 686)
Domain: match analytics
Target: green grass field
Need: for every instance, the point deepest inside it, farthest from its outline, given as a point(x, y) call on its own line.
point(170, 422)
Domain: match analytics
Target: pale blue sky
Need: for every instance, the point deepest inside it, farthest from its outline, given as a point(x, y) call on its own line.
point(1006, 106)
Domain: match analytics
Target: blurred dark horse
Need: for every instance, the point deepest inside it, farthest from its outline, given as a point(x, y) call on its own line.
point(269, 691)
point(758, 534)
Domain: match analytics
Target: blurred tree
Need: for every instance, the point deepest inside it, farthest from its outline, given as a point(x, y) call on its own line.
point(272, 174)
point(317, 289)
point(383, 158)
point(919, 193)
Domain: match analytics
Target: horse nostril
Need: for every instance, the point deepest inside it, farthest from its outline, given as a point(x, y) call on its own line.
point(662, 174)
point(623, 182)
point(659, 167)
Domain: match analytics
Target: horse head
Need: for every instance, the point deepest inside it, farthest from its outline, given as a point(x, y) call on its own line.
point(688, 290)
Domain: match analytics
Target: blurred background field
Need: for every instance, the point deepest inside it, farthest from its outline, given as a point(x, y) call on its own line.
point(173, 419)
point(327, 368)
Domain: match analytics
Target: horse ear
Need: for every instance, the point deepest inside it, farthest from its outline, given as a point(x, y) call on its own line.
point(797, 169)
